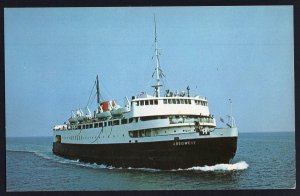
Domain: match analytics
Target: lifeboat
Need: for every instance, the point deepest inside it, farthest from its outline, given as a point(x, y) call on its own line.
point(84, 118)
point(103, 110)
point(107, 105)
point(117, 111)
point(75, 115)
point(73, 119)
point(106, 114)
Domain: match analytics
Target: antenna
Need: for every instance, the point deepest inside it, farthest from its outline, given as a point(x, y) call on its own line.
point(158, 71)
point(230, 107)
point(231, 119)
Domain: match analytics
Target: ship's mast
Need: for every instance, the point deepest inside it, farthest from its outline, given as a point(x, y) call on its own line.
point(158, 71)
point(97, 88)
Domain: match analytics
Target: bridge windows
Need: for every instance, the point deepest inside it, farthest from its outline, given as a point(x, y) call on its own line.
point(147, 102)
point(177, 101)
point(199, 102)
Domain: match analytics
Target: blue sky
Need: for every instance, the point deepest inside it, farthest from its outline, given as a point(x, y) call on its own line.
point(52, 56)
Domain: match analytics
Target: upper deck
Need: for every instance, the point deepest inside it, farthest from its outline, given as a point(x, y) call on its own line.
point(175, 105)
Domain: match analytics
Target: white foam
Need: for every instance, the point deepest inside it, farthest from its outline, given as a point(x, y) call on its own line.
point(242, 165)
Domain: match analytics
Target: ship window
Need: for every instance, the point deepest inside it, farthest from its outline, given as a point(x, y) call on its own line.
point(124, 121)
point(142, 102)
point(79, 126)
point(100, 124)
point(146, 102)
point(155, 102)
point(105, 124)
point(174, 101)
point(96, 125)
point(186, 101)
point(130, 120)
point(136, 119)
point(181, 101)
point(189, 101)
point(165, 101)
point(151, 102)
point(91, 125)
point(137, 103)
point(177, 100)
point(116, 122)
point(148, 133)
point(134, 134)
point(142, 133)
point(169, 101)
point(109, 123)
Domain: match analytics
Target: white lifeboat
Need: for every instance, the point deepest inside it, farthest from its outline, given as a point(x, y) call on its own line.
point(117, 111)
point(103, 110)
point(106, 114)
point(80, 116)
point(73, 119)
point(75, 115)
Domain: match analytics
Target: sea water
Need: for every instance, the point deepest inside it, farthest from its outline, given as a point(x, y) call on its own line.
point(263, 161)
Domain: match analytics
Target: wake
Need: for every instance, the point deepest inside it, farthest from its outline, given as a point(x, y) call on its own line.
point(242, 165)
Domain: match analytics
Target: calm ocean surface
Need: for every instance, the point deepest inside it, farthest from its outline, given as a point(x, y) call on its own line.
point(263, 161)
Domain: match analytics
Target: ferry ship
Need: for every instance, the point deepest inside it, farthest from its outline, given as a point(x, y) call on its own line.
point(165, 131)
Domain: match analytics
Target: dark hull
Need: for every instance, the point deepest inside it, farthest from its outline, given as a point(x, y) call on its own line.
point(162, 155)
